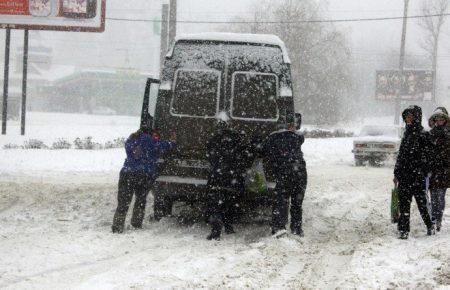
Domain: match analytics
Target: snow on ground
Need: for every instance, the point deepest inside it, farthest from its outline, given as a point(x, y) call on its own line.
point(56, 210)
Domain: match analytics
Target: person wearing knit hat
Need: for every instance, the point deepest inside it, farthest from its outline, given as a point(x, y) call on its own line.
point(440, 179)
point(411, 169)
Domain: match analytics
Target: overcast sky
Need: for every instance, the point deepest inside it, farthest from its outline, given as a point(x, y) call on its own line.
point(134, 45)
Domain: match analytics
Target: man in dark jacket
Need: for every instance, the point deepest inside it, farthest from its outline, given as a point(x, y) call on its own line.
point(440, 173)
point(282, 150)
point(411, 170)
point(138, 175)
point(229, 157)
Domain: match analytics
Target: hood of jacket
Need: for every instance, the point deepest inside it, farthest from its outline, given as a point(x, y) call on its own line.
point(439, 112)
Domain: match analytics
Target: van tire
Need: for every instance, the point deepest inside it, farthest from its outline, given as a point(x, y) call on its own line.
point(162, 204)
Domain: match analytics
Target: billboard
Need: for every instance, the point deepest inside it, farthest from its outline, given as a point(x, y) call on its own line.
point(62, 15)
point(414, 85)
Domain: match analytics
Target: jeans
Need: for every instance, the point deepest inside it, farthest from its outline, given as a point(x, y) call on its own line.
point(437, 204)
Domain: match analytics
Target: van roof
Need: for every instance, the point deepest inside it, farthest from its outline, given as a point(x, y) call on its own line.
point(268, 39)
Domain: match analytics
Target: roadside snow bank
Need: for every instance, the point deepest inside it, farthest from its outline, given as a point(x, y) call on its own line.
point(316, 152)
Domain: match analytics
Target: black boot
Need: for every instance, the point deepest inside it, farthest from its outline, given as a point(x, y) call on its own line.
point(431, 231)
point(298, 232)
point(229, 229)
point(438, 226)
point(403, 235)
point(117, 229)
point(216, 229)
point(118, 223)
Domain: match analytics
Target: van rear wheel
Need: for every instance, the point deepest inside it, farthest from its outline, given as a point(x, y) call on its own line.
point(162, 203)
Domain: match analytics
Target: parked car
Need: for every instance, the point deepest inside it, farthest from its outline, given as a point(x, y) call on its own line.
point(206, 75)
point(376, 144)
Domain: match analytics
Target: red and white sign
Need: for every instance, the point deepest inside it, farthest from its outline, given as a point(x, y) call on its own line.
point(62, 15)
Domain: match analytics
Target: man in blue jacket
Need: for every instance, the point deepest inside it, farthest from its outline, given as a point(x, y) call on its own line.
point(138, 174)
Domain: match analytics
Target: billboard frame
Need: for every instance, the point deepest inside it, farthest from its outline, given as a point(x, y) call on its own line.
point(100, 28)
point(408, 85)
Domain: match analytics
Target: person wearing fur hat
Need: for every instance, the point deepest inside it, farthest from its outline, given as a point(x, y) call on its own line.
point(411, 170)
point(440, 179)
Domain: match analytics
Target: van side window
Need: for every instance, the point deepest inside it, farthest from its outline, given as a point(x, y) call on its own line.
point(196, 93)
point(254, 96)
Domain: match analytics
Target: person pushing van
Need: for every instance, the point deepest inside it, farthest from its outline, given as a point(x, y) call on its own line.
point(138, 174)
point(229, 157)
point(283, 150)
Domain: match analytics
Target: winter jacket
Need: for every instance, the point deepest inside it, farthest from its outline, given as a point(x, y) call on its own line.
point(229, 157)
point(142, 153)
point(440, 139)
point(413, 160)
point(283, 151)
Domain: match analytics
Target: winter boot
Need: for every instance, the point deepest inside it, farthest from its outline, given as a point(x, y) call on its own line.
point(403, 235)
point(229, 229)
point(216, 229)
point(438, 226)
point(117, 229)
point(431, 231)
point(279, 233)
point(118, 223)
point(298, 232)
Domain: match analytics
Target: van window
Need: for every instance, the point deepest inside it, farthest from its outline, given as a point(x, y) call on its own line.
point(254, 96)
point(196, 93)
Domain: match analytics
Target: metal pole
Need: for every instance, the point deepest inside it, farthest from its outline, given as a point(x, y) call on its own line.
point(172, 21)
point(164, 31)
point(402, 61)
point(24, 82)
point(5, 81)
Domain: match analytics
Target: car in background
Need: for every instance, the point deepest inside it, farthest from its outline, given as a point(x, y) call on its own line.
point(376, 144)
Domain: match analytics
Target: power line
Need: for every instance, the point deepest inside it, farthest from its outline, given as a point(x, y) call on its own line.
point(288, 22)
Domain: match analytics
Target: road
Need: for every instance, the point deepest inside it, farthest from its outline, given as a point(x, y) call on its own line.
point(55, 233)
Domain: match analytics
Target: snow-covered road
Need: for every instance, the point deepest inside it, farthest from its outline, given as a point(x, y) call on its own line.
point(55, 234)
point(56, 208)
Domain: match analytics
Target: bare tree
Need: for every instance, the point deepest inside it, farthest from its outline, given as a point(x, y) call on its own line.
point(319, 54)
point(432, 27)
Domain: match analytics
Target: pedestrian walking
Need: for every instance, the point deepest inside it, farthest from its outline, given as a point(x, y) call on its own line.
point(138, 174)
point(411, 170)
point(282, 149)
point(440, 171)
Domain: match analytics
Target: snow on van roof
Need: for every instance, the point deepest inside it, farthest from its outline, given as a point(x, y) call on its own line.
point(268, 39)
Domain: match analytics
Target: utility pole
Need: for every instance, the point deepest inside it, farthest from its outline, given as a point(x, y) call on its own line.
point(5, 81)
point(172, 21)
point(164, 32)
point(402, 62)
point(24, 82)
